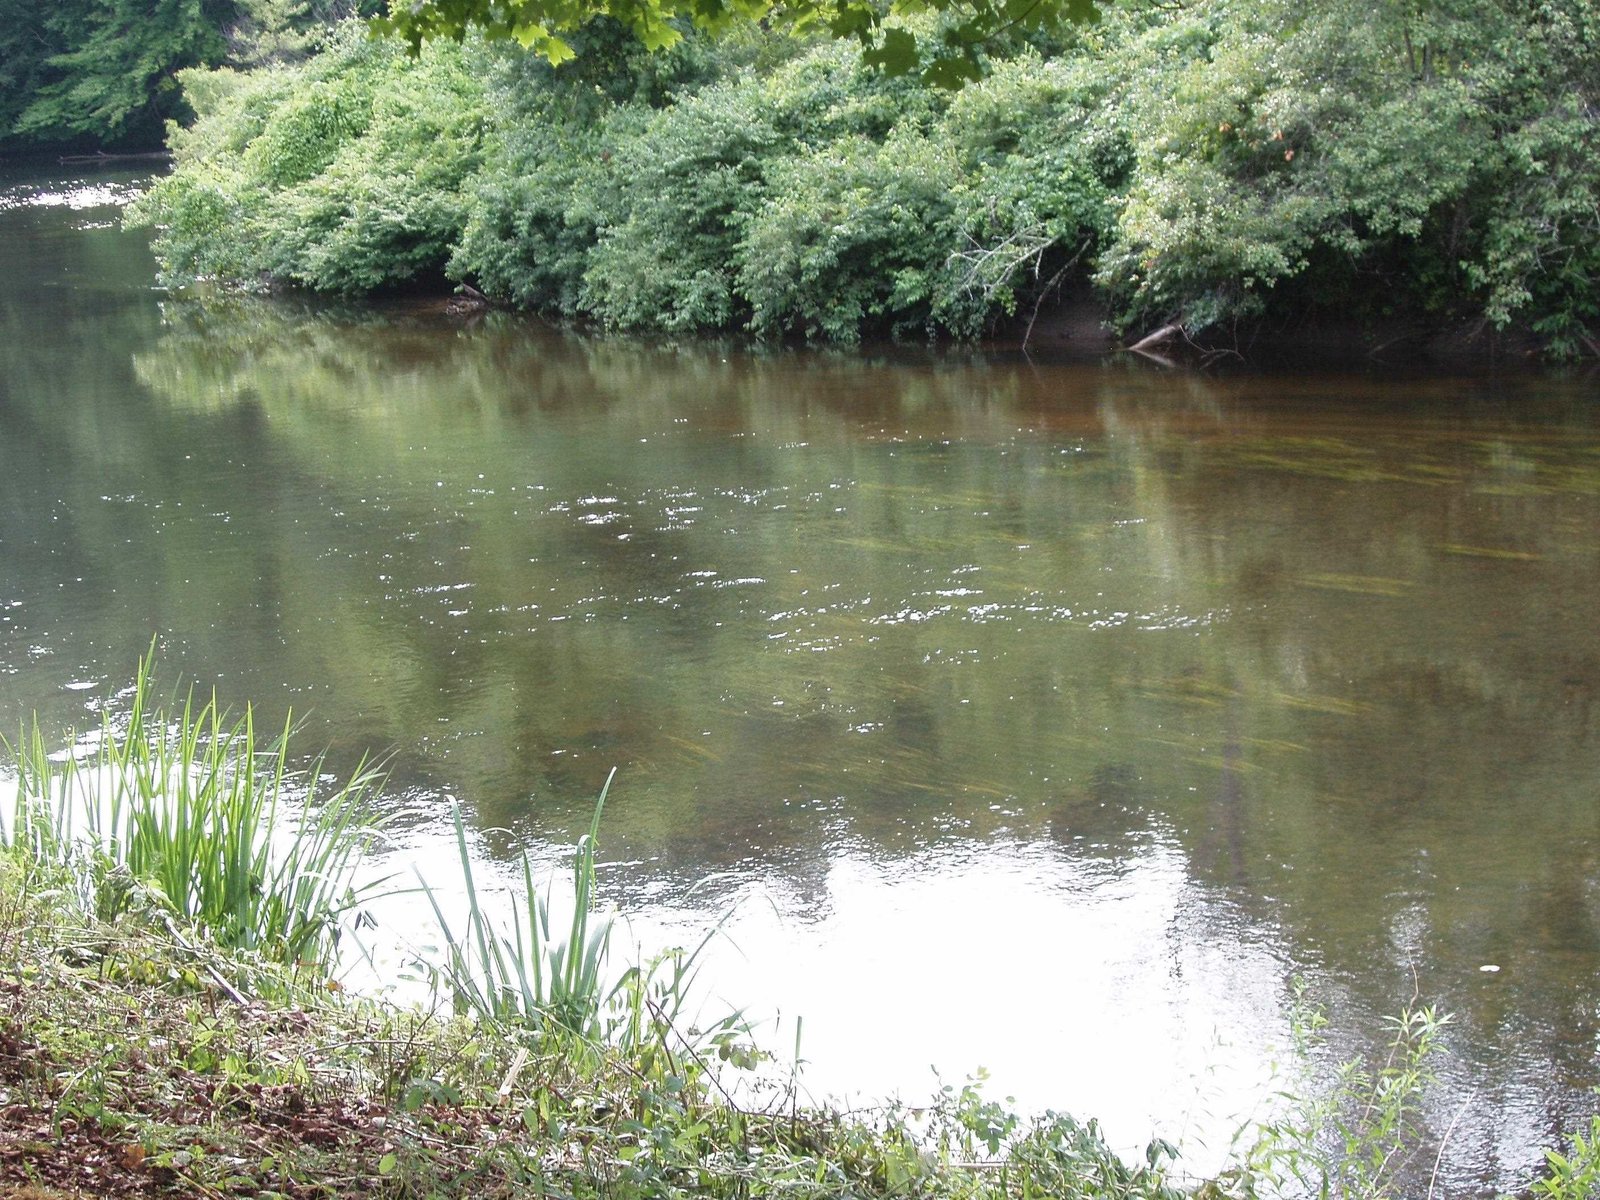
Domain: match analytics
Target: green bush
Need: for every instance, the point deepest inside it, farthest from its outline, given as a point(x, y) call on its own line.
point(633, 211)
point(669, 225)
point(532, 216)
point(688, 187)
point(1218, 163)
point(305, 135)
point(851, 238)
point(1372, 161)
point(346, 174)
point(1041, 154)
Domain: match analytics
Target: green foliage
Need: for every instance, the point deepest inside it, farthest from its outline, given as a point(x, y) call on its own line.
point(851, 238)
point(698, 215)
point(267, 32)
point(105, 68)
point(547, 184)
point(108, 71)
point(533, 215)
point(1213, 165)
point(669, 221)
point(1423, 161)
point(1356, 1136)
point(1541, 240)
point(546, 26)
point(1042, 155)
point(32, 33)
point(342, 175)
point(189, 805)
point(1575, 1174)
point(529, 979)
point(1066, 1159)
point(304, 135)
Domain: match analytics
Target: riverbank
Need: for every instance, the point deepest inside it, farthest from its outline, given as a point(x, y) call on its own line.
point(139, 1059)
point(171, 1024)
point(1172, 165)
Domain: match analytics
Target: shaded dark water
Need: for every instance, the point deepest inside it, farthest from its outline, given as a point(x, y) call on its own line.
point(1046, 716)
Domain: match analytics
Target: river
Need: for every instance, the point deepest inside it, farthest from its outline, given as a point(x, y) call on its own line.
point(1044, 715)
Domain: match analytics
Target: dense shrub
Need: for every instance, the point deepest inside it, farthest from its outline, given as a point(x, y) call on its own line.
point(1219, 162)
point(851, 238)
point(345, 174)
point(1377, 160)
point(1041, 153)
point(533, 216)
point(682, 188)
point(646, 215)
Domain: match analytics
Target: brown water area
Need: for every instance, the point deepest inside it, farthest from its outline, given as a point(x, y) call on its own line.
point(1050, 716)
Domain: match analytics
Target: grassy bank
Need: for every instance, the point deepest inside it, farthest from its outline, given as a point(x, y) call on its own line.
point(138, 1059)
point(169, 1025)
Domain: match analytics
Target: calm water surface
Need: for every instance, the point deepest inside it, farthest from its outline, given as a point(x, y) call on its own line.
point(1046, 717)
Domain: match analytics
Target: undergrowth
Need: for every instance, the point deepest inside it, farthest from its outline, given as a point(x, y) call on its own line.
point(125, 1069)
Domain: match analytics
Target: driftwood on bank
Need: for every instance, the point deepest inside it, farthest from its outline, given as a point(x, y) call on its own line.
point(100, 156)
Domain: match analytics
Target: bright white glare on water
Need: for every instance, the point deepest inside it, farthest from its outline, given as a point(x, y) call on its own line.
point(1055, 978)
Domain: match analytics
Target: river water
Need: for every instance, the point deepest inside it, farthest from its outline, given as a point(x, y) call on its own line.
point(1043, 716)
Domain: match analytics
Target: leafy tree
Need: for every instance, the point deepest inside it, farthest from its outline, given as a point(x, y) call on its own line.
point(32, 32)
point(1414, 163)
point(107, 68)
point(341, 174)
point(1382, 161)
point(545, 26)
point(288, 31)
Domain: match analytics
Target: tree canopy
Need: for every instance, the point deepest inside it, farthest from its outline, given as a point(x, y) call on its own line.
point(541, 25)
point(106, 71)
point(101, 69)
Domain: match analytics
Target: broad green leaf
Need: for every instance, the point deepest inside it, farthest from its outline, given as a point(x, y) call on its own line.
point(895, 55)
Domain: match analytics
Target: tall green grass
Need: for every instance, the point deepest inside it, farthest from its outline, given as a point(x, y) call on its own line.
point(204, 814)
point(190, 806)
point(529, 977)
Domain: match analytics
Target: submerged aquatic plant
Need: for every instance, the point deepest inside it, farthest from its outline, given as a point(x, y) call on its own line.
point(195, 810)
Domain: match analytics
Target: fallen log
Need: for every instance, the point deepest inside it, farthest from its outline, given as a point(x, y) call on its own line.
point(100, 156)
point(1165, 334)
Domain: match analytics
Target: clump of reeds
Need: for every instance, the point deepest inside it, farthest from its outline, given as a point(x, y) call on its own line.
point(186, 805)
point(187, 801)
point(529, 977)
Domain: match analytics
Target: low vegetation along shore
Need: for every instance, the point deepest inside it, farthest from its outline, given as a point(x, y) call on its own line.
point(1230, 171)
point(172, 907)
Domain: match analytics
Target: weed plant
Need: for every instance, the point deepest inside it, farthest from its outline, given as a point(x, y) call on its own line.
point(1575, 1174)
point(529, 978)
point(192, 805)
point(126, 1071)
point(1356, 1137)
